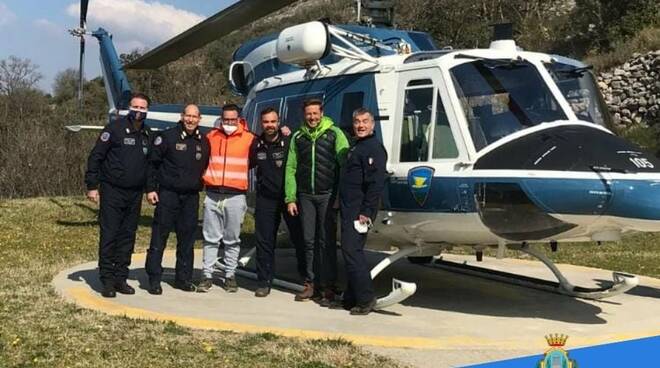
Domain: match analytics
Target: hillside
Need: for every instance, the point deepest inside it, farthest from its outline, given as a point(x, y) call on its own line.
point(606, 33)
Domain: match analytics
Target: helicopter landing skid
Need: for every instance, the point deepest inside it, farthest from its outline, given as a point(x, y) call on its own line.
point(621, 283)
point(401, 290)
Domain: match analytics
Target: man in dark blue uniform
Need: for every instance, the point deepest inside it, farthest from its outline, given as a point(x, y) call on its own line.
point(115, 177)
point(176, 164)
point(360, 190)
point(268, 154)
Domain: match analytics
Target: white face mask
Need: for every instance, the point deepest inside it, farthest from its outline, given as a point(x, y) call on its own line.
point(229, 129)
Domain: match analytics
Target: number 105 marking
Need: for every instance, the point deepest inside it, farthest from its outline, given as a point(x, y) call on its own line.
point(641, 162)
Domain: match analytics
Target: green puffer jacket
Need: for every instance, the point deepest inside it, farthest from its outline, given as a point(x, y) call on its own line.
point(310, 148)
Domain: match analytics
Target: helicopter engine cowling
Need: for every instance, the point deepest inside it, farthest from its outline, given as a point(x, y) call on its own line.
point(303, 44)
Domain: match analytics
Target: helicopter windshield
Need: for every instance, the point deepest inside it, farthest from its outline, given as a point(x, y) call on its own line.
point(579, 87)
point(500, 97)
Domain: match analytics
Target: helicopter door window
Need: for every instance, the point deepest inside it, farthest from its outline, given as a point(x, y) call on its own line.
point(444, 145)
point(417, 114)
point(350, 102)
point(294, 109)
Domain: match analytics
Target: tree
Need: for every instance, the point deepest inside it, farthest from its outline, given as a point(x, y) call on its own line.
point(17, 75)
point(65, 86)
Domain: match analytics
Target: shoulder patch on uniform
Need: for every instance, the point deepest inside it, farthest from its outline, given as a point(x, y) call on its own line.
point(105, 136)
point(158, 141)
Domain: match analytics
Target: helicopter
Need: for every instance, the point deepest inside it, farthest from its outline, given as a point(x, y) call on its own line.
point(488, 148)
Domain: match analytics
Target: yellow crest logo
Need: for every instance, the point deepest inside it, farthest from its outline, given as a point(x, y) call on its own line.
point(419, 182)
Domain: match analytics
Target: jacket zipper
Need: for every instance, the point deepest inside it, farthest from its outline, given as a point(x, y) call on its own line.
point(224, 164)
point(313, 165)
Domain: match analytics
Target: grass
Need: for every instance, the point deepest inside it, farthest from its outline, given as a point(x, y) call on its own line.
point(647, 39)
point(41, 236)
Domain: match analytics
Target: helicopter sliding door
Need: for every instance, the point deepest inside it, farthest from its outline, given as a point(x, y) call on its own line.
point(426, 153)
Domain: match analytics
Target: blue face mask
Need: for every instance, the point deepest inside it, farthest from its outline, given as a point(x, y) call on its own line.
point(136, 115)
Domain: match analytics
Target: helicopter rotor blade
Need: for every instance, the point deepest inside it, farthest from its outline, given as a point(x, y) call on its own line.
point(81, 62)
point(222, 23)
point(83, 13)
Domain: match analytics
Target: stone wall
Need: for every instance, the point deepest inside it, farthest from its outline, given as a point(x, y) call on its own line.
point(632, 91)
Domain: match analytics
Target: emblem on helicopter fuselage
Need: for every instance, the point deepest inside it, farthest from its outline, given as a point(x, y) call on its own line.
point(419, 181)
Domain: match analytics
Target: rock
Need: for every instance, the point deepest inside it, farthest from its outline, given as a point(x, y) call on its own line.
point(625, 113)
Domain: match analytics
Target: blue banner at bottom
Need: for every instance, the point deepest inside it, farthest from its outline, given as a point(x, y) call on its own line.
point(633, 353)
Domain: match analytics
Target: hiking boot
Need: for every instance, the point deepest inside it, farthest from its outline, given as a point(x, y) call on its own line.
point(108, 290)
point(185, 285)
point(204, 285)
point(328, 296)
point(341, 304)
point(155, 289)
point(123, 288)
point(262, 292)
point(230, 285)
point(363, 310)
point(306, 294)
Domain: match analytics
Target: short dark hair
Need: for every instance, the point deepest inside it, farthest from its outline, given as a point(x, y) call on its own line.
point(141, 96)
point(231, 107)
point(268, 110)
point(313, 101)
point(362, 111)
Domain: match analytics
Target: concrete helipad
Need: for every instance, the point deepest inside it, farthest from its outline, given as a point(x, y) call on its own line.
point(452, 320)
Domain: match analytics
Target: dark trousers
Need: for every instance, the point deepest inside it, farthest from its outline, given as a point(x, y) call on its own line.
point(319, 224)
point(178, 211)
point(118, 219)
point(268, 215)
point(360, 288)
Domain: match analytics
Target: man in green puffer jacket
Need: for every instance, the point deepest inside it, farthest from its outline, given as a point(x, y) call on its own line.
point(316, 152)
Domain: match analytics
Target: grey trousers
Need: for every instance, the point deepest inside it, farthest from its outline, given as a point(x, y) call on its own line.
point(319, 223)
point(223, 217)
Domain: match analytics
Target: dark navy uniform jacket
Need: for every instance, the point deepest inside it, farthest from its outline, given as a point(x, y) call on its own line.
point(178, 160)
point(362, 178)
point(269, 158)
point(119, 156)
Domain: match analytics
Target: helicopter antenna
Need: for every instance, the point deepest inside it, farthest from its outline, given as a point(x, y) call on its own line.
point(81, 31)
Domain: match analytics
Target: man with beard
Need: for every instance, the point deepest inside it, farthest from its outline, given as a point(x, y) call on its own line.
point(115, 178)
point(268, 154)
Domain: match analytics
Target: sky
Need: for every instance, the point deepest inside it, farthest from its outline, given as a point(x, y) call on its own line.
point(37, 29)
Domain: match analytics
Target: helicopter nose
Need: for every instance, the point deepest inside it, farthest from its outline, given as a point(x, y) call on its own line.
point(635, 203)
point(564, 176)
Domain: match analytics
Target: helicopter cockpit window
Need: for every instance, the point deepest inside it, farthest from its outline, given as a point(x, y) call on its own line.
point(417, 114)
point(294, 109)
point(500, 97)
point(579, 87)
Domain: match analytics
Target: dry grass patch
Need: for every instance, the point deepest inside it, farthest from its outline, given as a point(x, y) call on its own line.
point(41, 236)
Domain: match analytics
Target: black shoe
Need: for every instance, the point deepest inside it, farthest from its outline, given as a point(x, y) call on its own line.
point(363, 310)
point(230, 285)
point(155, 289)
point(204, 285)
point(340, 304)
point(108, 291)
point(262, 292)
point(124, 288)
point(185, 285)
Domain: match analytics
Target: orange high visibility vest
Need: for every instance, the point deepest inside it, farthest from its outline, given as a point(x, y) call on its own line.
point(229, 161)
